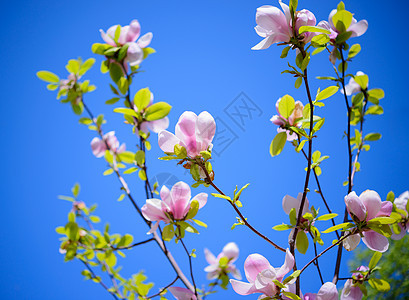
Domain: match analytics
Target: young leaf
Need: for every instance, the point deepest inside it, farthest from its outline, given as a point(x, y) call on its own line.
point(278, 143)
point(374, 260)
point(48, 76)
point(326, 93)
point(326, 217)
point(286, 106)
point(301, 242)
point(157, 111)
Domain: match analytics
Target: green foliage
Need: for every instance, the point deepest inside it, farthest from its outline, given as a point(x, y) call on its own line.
point(278, 143)
point(393, 267)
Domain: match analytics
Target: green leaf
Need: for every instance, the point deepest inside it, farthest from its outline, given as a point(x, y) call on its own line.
point(48, 76)
point(305, 62)
point(194, 208)
point(157, 111)
point(279, 284)
point(293, 5)
point(108, 172)
point(73, 66)
point(221, 196)
point(381, 220)
point(126, 111)
point(286, 106)
point(313, 29)
point(115, 71)
point(374, 110)
point(147, 51)
point(123, 85)
point(140, 157)
point(295, 274)
point(168, 232)
point(99, 48)
point(121, 197)
point(291, 295)
point(131, 170)
point(342, 20)
point(282, 227)
point(326, 217)
point(127, 157)
point(112, 101)
point(336, 227)
point(278, 143)
point(377, 93)
point(142, 98)
point(76, 190)
point(293, 217)
point(301, 242)
point(284, 53)
point(372, 137)
point(142, 175)
point(66, 198)
point(95, 219)
point(237, 196)
point(86, 65)
point(362, 80)
point(319, 124)
point(326, 93)
point(320, 39)
point(200, 223)
point(298, 82)
point(123, 52)
point(379, 284)
point(354, 50)
point(375, 259)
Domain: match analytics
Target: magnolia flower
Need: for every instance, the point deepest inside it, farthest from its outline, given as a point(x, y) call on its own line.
point(99, 146)
point(357, 28)
point(128, 35)
point(364, 208)
point(401, 203)
point(175, 204)
point(66, 84)
point(279, 120)
point(327, 292)
point(231, 252)
point(352, 87)
point(261, 274)
point(155, 126)
point(291, 202)
point(193, 132)
point(181, 293)
point(351, 291)
point(276, 27)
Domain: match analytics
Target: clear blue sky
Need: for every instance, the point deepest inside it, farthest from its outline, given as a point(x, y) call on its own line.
point(203, 62)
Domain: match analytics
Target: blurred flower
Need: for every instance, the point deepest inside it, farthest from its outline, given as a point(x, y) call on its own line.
point(351, 291)
point(195, 133)
point(181, 293)
point(261, 274)
point(363, 209)
point(99, 146)
point(129, 34)
point(276, 27)
point(223, 262)
point(401, 203)
point(352, 87)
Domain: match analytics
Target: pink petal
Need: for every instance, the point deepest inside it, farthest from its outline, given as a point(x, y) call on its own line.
point(134, 55)
point(355, 206)
point(205, 129)
point(351, 242)
point(210, 258)
point(180, 194)
point(159, 125)
point(145, 40)
point(287, 266)
point(201, 198)
point(287, 12)
point(98, 147)
point(234, 271)
point(231, 251)
point(133, 32)
point(152, 210)
point(375, 241)
point(358, 28)
point(350, 292)
point(272, 19)
point(386, 209)
point(254, 264)
point(167, 141)
point(328, 292)
point(242, 288)
point(109, 36)
point(181, 293)
point(400, 235)
point(187, 124)
point(264, 44)
point(372, 202)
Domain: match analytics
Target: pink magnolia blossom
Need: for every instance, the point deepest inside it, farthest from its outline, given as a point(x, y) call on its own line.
point(401, 203)
point(261, 274)
point(193, 132)
point(351, 291)
point(364, 208)
point(129, 34)
point(174, 204)
point(357, 28)
point(155, 126)
point(327, 292)
point(276, 27)
point(99, 146)
point(279, 120)
point(182, 293)
point(352, 87)
point(231, 252)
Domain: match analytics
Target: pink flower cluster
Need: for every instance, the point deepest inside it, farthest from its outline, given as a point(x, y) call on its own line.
point(363, 209)
point(129, 34)
point(231, 252)
point(195, 133)
point(174, 204)
point(276, 27)
point(351, 291)
point(99, 146)
point(279, 120)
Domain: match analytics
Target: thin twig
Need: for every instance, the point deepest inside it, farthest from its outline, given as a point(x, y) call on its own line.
point(164, 288)
point(190, 264)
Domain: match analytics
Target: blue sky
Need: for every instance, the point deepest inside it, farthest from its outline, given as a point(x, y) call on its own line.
point(203, 62)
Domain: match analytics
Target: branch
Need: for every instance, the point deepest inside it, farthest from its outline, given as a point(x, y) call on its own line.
point(164, 288)
point(210, 181)
point(190, 264)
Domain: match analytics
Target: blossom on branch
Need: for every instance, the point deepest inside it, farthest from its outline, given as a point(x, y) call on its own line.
point(328, 291)
point(182, 293)
point(223, 263)
point(109, 142)
point(353, 87)
point(261, 274)
point(128, 35)
point(402, 204)
point(351, 290)
point(291, 120)
point(277, 27)
point(363, 209)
